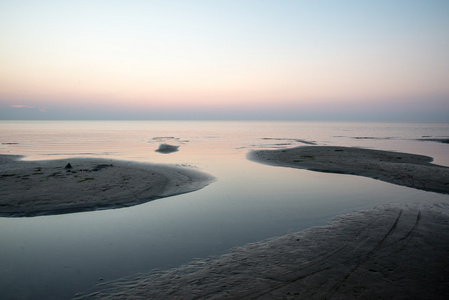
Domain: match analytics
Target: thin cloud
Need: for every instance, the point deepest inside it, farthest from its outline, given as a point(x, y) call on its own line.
point(28, 106)
point(22, 106)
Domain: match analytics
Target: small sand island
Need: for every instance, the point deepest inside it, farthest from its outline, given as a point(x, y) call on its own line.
point(31, 188)
point(405, 169)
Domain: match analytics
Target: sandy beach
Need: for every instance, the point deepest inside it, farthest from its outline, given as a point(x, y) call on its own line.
point(389, 252)
point(405, 169)
point(31, 188)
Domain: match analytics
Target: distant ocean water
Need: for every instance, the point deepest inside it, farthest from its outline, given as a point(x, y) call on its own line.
point(136, 139)
point(58, 256)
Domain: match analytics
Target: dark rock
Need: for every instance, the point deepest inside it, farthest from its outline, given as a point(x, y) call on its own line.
point(68, 166)
point(166, 148)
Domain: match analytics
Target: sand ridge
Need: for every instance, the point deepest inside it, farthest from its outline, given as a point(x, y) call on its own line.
point(30, 188)
point(405, 169)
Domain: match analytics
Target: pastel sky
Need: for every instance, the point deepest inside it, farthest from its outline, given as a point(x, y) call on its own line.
point(247, 59)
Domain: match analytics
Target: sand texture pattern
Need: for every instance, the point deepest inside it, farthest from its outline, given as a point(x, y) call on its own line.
point(405, 169)
point(30, 188)
point(391, 252)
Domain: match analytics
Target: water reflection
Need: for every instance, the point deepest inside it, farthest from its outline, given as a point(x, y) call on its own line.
point(58, 256)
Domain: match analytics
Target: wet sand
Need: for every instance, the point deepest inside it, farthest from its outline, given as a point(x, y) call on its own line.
point(405, 169)
point(391, 252)
point(31, 188)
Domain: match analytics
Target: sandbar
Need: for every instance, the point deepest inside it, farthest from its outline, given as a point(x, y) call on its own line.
point(405, 169)
point(390, 252)
point(32, 188)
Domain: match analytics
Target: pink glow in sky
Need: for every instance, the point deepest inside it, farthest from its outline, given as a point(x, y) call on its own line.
point(323, 60)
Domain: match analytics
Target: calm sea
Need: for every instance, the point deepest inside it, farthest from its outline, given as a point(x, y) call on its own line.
point(55, 257)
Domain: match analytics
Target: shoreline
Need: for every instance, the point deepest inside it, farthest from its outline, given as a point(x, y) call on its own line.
point(411, 170)
point(389, 252)
point(48, 187)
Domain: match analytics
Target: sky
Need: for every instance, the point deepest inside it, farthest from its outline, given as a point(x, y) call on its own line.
point(227, 60)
